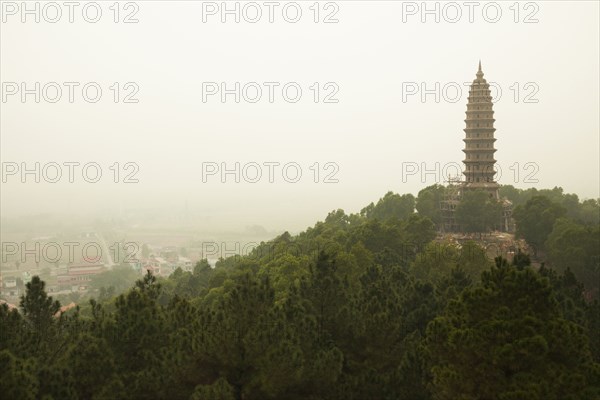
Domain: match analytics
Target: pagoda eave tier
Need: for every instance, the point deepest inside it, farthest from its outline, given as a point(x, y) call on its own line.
point(480, 119)
point(480, 150)
point(480, 162)
point(481, 185)
point(480, 128)
point(483, 172)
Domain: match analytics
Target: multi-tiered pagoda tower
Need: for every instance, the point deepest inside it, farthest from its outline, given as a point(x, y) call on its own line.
point(479, 139)
point(479, 158)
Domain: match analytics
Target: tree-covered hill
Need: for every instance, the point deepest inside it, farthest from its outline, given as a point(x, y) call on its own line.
point(360, 306)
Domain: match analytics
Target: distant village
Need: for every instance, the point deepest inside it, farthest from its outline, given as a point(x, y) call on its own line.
point(75, 277)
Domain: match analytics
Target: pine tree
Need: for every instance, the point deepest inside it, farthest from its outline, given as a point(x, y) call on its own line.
point(508, 340)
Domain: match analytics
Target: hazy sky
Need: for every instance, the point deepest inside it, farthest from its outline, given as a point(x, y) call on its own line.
point(374, 58)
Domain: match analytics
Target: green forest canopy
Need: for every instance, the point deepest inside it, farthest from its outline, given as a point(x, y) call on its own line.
point(360, 306)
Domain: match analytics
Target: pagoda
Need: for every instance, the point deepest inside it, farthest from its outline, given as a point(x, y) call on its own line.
point(479, 158)
point(479, 139)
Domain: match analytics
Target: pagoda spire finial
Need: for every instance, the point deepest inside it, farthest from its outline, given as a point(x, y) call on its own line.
point(479, 73)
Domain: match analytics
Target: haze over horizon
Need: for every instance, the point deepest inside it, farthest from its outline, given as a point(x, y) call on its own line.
point(371, 61)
